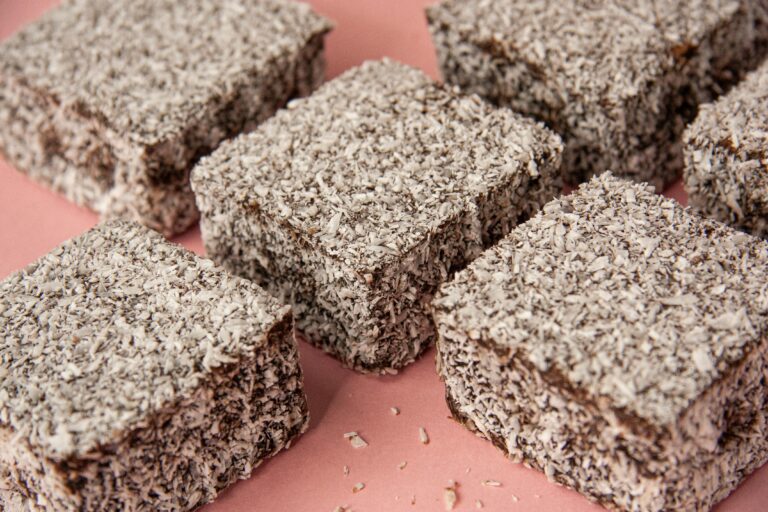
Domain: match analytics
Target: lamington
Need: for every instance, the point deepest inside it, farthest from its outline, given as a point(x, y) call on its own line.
point(112, 102)
point(354, 204)
point(726, 173)
point(136, 376)
point(618, 343)
point(618, 79)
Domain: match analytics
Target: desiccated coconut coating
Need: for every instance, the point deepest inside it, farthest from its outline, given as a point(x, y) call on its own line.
point(355, 203)
point(618, 79)
point(111, 102)
point(619, 343)
point(725, 174)
point(136, 376)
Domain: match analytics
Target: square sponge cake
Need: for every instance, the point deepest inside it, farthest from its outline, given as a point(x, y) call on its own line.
point(354, 204)
point(618, 79)
point(136, 376)
point(726, 162)
point(619, 343)
point(112, 102)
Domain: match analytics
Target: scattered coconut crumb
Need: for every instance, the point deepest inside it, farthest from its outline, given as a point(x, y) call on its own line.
point(423, 437)
point(468, 470)
point(478, 504)
point(514, 498)
point(355, 440)
point(359, 486)
point(340, 509)
point(536, 496)
point(394, 410)
point(450, 497)
point(346, 470)
point(402, 464)
point(491, 483)
point(413, 499)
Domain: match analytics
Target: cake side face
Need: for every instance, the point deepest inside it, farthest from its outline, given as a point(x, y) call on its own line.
point(223, 430)
point(358, 201)
point(165, 83)
point(118, 339)
point(576, 442)
point(618, 343)
point(725, 174)
point(618, 80)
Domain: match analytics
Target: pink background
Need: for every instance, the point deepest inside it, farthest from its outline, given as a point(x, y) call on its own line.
point(309, 476)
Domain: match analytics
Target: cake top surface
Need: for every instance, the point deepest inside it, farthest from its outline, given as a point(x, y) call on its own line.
point(593, 49)
point(737, 121)
point(622, 294)
point(147, 68)
point(376, 161)
point(110, 327)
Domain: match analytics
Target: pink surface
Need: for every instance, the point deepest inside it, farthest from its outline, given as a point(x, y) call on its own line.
point(309, 476)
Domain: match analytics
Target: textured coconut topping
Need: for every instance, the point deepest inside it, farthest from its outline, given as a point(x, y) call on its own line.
point(375, 161)
point(605, 49)
point(737, 122)
point(147, 66)
point(620, 294)
point(115, 325)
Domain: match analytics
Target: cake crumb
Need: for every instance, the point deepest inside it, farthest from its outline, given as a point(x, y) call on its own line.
point(355, 440)
point(478, 504)
point(341, 509)
point(450, 497)
point(395, 411)
point(491, 483)
point(359, 486)
point(423, 437)
point(402, 464)
point(514, 498)
point(413, 499)
point(346, 470)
